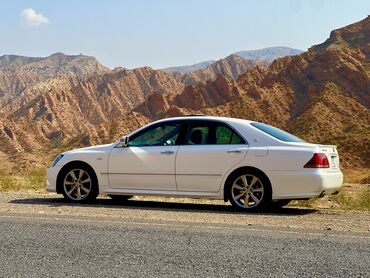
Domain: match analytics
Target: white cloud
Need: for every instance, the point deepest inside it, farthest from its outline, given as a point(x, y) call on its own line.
point(31, 18)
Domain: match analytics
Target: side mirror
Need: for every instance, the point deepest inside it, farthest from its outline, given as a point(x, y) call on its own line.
point(124, 141)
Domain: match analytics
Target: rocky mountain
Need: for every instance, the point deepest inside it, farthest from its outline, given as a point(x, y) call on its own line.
point(58, 63)
point(321, 95)
point(268, 54)
point(231, 67)
point(18, 73)
point(15, 61)
point(63, 100)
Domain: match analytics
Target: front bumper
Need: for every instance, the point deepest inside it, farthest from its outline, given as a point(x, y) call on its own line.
point(51, 178)
point(307, 183)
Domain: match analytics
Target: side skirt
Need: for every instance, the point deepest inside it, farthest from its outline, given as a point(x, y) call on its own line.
point(178, 194)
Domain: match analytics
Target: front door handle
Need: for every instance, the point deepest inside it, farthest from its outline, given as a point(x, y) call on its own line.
point(167, 152)
point(234, 151)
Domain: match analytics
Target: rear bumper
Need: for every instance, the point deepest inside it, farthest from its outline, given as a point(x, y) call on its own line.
point(307, 183)
point(51, 179)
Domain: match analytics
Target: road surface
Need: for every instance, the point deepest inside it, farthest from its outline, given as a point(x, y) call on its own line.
point(92, 241)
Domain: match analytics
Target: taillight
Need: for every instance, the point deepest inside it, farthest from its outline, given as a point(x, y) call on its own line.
point(319, 160)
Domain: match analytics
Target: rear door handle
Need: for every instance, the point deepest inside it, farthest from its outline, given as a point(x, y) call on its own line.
point(167, 152)
point(234, 151)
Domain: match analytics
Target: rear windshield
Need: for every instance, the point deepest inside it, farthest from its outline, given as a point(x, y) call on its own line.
point(277, 133)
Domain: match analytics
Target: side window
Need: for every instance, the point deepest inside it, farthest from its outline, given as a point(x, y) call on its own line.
point(236, 139)
point(198, 134)
point(160, 135)
point(225, 135)
point(212, 134)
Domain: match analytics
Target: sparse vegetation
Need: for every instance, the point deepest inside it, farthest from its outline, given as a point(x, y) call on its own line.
point(346, 201)
point(352, 197)
point(32, 181)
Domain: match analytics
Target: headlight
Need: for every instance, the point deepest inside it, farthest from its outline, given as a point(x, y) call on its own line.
point(57, 159)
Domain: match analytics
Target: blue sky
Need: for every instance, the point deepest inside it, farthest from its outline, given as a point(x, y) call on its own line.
point(163, 33)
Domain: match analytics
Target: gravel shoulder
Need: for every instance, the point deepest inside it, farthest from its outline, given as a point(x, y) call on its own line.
point(186, 211)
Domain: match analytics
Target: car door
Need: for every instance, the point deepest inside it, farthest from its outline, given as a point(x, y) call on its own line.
point(148, 162)
point(211, 149)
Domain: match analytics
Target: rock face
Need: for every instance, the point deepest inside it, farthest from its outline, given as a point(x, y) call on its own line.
point(208, 94)
point(192, 98)
point(352, 36)
point(231, 67)
point(51, 104)
point(62, 100)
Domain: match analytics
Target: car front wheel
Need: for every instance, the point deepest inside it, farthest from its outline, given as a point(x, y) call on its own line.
point(79, 184)
point(249, 191)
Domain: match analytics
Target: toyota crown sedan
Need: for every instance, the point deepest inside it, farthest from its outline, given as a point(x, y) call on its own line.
point(250, 164)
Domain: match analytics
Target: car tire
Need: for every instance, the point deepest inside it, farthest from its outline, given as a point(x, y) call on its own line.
point(120, 197)
point(249, 190)
point(79, 184)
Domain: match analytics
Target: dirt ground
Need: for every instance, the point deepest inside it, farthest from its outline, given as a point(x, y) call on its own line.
point(187, 211)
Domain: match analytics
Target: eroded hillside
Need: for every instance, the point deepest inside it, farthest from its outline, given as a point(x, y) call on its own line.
point(59, 102)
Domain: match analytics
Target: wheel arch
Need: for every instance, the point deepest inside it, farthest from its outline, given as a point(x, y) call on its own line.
point(68, 166)
point(244, 169)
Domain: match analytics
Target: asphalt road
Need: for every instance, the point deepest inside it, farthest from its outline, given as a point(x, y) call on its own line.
point(34, 245)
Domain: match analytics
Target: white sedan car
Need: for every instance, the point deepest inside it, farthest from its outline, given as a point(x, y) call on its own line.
point(248, 163)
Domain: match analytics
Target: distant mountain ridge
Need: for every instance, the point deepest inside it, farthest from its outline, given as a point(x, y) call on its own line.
point(269, 54)
point(189, 68)
point(16, 61)
point(78, 64)
point(265, 54)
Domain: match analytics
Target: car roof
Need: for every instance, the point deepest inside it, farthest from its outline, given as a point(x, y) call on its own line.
point(205, 117)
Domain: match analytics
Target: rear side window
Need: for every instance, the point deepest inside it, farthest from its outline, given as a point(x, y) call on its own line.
point(276, 132)
point(225, 135)
point(211, 133)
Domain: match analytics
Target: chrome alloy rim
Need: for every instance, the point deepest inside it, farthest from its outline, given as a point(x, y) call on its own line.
point(77, 184)
point(247, 191)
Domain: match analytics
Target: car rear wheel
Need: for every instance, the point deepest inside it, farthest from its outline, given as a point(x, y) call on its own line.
point(249, 191)
point(120, 197)
point(79, 184)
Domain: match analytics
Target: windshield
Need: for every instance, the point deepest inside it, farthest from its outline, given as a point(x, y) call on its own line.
point(276, 132)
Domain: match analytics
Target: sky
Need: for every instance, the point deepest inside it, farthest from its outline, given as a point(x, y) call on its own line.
point(164, 33)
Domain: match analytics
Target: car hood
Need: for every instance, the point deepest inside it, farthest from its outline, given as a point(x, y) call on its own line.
point(95, 149)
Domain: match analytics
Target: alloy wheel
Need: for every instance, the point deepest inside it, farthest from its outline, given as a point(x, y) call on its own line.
point(77, 184)
point(247, 191)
